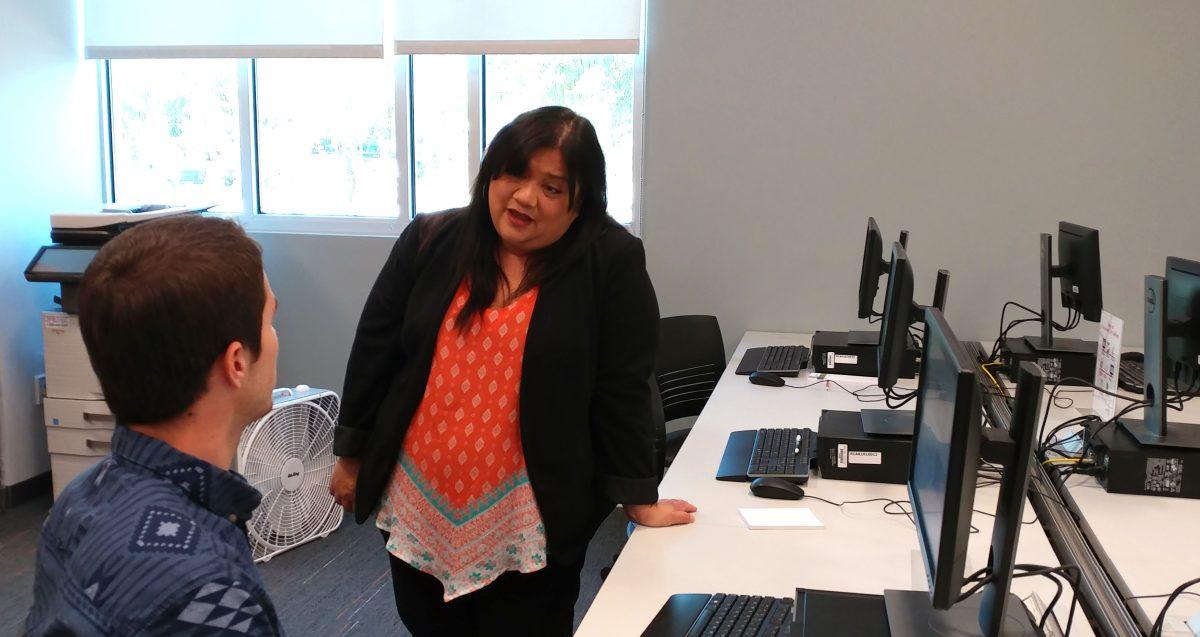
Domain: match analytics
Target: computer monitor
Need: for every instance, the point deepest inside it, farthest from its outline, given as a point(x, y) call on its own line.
point(1172, 359)
point(1181, 346)
point(899, 312)
point(1080, 286)
point(873, 267)
point(948, 445)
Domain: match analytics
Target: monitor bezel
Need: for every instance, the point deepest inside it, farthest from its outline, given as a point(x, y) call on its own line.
point(945, 570)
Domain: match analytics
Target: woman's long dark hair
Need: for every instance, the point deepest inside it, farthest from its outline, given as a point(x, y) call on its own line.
point(549, 127)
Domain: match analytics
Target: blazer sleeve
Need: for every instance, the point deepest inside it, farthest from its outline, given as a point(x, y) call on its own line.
point(376, 356)
point(623, 429)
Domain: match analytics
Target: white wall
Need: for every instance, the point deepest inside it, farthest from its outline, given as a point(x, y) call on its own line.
point(775, 127)
point(322, 283)
point(49, 161)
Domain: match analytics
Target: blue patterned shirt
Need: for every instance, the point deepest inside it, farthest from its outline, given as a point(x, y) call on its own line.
point(150, 541)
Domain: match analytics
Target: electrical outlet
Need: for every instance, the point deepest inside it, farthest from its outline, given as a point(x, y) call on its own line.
point(39, 388)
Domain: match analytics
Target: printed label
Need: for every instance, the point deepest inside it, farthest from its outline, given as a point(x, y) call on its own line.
point(1051, 369)
point(56, 321)
point(842, 456)
point(866, 457)
point(830, 360)
point(1164, 475)
point(846, 359)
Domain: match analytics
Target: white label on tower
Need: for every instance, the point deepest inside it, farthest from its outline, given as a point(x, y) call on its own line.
point(866, 457)
point(842, 453)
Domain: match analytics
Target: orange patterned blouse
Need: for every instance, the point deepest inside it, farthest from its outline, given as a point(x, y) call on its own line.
point(459, 505)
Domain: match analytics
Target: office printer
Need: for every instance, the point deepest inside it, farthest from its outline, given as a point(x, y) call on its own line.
point(78, 236)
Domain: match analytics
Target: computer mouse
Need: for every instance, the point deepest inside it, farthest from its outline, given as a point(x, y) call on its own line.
point(776, 489)
point(766, 378)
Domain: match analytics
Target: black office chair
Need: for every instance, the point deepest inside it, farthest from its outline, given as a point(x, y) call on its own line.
point(660, 429)
point(690, 361)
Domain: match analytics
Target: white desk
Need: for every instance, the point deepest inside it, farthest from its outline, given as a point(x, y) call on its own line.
point(861, 549)
point(1154, 542)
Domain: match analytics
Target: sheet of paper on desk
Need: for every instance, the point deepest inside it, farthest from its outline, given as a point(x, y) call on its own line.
point(1108, 365)
point(781, 518)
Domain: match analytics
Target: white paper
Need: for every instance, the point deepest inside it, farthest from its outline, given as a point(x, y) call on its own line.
point(781, 518)
point(1108, 365)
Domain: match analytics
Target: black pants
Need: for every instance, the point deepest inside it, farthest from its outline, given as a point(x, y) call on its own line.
point(537, 603)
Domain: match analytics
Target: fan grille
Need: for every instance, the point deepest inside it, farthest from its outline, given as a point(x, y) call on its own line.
point(287, 455)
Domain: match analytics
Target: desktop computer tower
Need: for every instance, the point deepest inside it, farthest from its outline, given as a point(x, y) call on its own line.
point(846, 452)
point(1124, 465)
point(1055, 365)
point(832, 353)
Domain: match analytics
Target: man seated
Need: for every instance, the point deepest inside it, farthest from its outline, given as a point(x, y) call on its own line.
point(176, 316)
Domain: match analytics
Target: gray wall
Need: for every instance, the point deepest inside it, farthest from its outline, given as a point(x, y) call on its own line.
point(777, 127)
point(321, 282)
point(50, 161)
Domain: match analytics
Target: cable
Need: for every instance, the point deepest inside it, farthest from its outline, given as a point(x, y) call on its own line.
point(1161, 595)
point(981, 578)
point(858, 394)
point(899, 504)
point(1157, 630)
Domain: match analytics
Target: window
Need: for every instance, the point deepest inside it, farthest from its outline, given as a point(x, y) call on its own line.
point(598, 87)
point(176, 132)
point(441, 127)
point(326, 137)
point(287, 141)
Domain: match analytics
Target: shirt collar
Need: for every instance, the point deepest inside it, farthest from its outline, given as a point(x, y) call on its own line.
point(225, 493)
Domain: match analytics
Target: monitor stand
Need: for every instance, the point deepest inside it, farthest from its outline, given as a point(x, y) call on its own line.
point(1062, 345)
point(868, 338)
point(888, 422)
point(910, 614)
point(1179, 435)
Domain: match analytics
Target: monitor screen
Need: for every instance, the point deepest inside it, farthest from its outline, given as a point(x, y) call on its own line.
point(60, 263)
point(1182, 339)
point(942, 476)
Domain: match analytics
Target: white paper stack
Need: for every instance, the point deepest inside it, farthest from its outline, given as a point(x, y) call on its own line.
point(781, 518)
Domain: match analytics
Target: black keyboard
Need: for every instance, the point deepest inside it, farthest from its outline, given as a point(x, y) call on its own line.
point(743, 615)
point(782, 453)
point(1132, 377)
point(783, 360)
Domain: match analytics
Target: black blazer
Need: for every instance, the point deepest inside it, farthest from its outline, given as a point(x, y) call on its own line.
point(585, 416)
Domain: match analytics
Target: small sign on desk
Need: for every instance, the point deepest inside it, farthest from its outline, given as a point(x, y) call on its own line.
point(1108, 365)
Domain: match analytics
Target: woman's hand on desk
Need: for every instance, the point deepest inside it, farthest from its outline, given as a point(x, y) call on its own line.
point(662, 513)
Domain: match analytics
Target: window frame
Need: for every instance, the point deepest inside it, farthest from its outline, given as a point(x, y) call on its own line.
point(255, 220)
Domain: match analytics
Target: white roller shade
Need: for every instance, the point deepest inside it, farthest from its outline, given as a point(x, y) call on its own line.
point(233, 28)
point(517, 26)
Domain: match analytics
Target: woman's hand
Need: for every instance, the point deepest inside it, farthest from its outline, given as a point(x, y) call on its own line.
point(345, 479)
point(663, 513)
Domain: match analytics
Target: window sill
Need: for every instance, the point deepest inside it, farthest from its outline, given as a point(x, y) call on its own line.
point(312, 224)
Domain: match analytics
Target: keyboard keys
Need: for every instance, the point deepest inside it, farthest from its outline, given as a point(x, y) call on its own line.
point(728, 615)
point(785, 360)
point(785, 453)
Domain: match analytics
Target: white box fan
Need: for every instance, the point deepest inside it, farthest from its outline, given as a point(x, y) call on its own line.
point(288, 456)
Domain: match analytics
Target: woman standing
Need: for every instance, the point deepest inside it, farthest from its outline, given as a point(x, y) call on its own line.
point(497, 397)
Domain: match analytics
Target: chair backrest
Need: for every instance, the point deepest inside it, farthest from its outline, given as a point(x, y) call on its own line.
point(690, 361)
point(660, 429)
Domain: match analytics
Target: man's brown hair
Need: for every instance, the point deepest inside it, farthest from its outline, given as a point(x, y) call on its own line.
point(160, 303)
